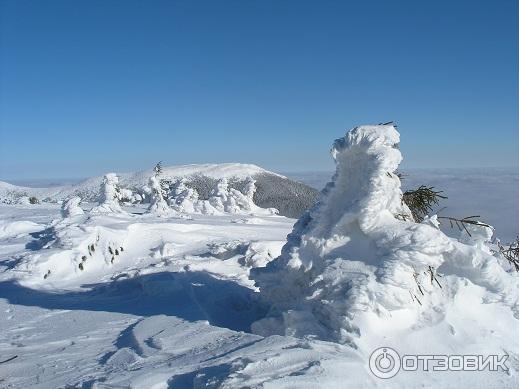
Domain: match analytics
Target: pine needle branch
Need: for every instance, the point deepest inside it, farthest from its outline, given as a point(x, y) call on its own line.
point(421, 201)
point(511, 253)
point(462, 223)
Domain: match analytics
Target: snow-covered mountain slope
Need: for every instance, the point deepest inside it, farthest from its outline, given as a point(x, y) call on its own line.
point(134, 299)
point(289, 197)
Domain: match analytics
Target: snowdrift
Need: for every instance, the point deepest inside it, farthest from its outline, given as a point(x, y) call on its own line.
point(85, 248)
point(354, 271)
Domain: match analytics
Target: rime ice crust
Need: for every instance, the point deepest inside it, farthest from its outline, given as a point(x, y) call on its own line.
point(353, 272)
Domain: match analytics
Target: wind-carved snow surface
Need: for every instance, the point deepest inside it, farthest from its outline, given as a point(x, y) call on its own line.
point(354, 272)
point(137, 299)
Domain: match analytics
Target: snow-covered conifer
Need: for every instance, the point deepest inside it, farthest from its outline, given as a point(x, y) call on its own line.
point(357, 262)
point(185, 199)
point(158, 203)
point(219, 195)
point(110, 195)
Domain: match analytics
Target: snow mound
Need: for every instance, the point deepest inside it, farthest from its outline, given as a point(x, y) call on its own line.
point(250, 254)
point(354, 271)
point(16, 228)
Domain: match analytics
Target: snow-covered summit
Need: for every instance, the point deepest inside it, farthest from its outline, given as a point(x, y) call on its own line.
point(213, 170)
point(89, 188)
point(357, 270)
point(273, 190)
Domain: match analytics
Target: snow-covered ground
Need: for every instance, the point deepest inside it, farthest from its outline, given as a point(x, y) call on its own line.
point(144, 296)
point(175, 300)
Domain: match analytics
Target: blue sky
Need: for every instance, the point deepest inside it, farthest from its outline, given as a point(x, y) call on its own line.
point(88, 87)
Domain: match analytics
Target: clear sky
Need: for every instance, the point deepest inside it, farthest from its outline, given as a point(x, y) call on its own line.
point(88, 87)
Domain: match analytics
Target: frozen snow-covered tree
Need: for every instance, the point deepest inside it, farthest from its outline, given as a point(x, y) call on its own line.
point(232, 204)
point(356, 261)
point(71, 208)
point(110, 195)
point(158, 203)
point(231, 200)
point(185, 199)
point(243, 202)
point(250, 188)
point(157, 169)
point(126, 195)
point(219, 195)
point(137, 198)
point(179, 190)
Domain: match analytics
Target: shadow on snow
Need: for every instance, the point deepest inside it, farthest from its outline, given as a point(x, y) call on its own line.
point(191, 296)
point(41, 238)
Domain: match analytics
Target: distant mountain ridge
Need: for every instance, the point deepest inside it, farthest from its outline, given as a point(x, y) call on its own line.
point(290, 197)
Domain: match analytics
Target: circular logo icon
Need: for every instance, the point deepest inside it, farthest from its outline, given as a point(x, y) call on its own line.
point(384, 362)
